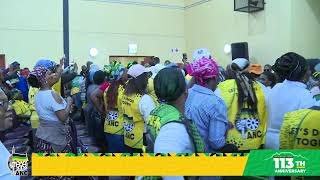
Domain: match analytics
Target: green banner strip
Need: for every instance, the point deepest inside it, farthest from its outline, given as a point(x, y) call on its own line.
point(283, 163)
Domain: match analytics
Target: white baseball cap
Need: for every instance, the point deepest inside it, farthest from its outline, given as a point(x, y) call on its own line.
point(201, 53)
point(155, 70)
point(136, 70)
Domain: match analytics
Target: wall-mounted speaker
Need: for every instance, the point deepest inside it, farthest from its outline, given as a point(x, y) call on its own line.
point(240, 50)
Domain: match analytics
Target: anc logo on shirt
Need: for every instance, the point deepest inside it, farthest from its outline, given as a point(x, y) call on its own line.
point(247, 121)
point(18, 163)
point(113, 115)
point(128, 126)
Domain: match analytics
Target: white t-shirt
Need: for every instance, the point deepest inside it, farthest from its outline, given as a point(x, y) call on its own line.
point(173, 138)
point(286, 97)
point(5, 173)
point(283, 98)
point(146, 105)
point(46, 105)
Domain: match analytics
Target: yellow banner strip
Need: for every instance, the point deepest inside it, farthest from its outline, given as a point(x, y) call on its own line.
point(142, 165)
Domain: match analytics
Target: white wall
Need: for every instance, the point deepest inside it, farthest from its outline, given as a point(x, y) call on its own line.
point(305, 25)
point(111, 27)
point(215, 24)
point(30, 30)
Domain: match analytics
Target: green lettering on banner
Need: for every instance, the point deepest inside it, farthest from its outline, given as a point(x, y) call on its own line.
point(284, 162)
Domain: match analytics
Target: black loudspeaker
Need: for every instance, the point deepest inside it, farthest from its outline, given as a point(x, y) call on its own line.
point(240, 50)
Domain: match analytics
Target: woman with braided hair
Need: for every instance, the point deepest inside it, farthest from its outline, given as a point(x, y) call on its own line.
point(136, 106)
point(246, 102)
point(107, 100)
point(288, 96)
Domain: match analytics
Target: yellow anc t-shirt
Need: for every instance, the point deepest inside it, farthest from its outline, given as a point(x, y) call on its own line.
point(133, 121)
point(249, 126)
point(57, 87)
point(301, 130)
point(114, 120)
point(21, 108)
point(34, 115)
point(151, 91)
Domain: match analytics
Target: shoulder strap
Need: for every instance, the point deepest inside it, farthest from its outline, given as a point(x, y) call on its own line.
point(187, 124)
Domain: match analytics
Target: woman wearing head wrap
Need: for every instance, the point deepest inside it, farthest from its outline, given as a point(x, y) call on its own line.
point(168, 129)
point(53, 133)
point(288, 96)
point(34, 88)
point(48, 64)
point(201, 53)
point(136, 106)
point(207, 110)
point(246, 102)
point(107, 100)
point(198, 54)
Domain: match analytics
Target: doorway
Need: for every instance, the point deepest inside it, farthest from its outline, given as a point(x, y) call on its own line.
point(2, 61)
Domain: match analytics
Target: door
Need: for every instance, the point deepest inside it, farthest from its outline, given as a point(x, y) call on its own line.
point(2, 61)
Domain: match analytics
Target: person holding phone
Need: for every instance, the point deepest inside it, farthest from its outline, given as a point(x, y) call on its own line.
point(53, 134)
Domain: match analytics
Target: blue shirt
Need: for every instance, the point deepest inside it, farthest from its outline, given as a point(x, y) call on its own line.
point(209, 112)
point(22, 85)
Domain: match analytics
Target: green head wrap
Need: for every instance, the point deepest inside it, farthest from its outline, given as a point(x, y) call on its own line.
point(169, 84)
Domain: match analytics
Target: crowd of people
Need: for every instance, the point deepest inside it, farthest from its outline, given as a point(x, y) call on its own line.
point(162, 108)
